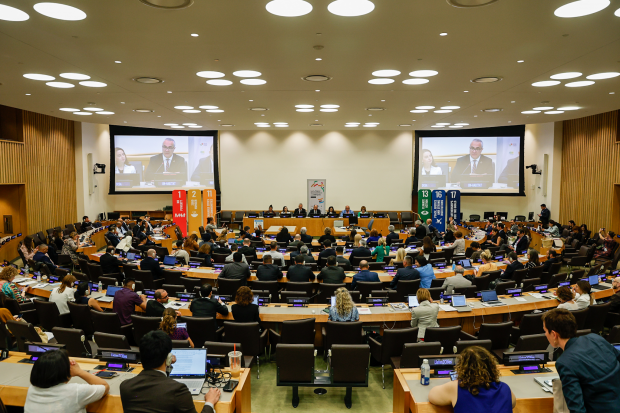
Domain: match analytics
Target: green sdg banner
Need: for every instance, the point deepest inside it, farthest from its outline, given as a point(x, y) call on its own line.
point(424, 204)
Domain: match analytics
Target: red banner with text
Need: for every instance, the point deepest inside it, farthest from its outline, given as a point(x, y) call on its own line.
point(179, 210)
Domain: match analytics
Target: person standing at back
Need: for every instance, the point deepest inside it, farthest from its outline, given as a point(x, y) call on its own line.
point(545, 215)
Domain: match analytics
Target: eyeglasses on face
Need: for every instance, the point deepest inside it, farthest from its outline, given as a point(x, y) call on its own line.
point(471, 148)
point(167, 147)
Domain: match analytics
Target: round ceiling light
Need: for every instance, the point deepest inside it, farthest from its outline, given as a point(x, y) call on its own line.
point(352, 123)
point(289, 8)
point(178, 127)
point(144, 110)
point(183, 107)
point(371, 123)
point(61, 85)
point(171, 124)
point(168, 4)
point(316, 124)
point(208, 107)
point(423, 73)
point(316, 78)
point(90, 83)
point(442, 124)
point(189, 124)
point(60, 11)
point(486, 79)
point(381, 81)
point(330, 106)
point(617, 13)
point(105, 112)
point(569, 108)
point(580, 84)
point(369, 126)
point(148, 80)
point(601, 76)
point(94, 109)
point(194, 126)
point(209, 74)
point(351, 126)
point(304, 110)
point(258, 109)
point(470, 3)
point(451, 107)
point(491, 110)
point(385, 73)
point(530, 112)
point(191, 111)
point(11, 14)
point(543, 108)
point(415, 81)
point(581, 8)
point(247, 73)
point(425, 107)
point(280, 125)
point(253, 82)
point(74, 76)
point(69, 110)
point(219, 82)
point(567, 75)
point(304, 106)
point(546, 83)
point(350, 8)
point(418, 111)
point(36, 76)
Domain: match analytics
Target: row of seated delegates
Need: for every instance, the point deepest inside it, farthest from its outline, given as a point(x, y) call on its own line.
point(8, 287)
point(423, 272)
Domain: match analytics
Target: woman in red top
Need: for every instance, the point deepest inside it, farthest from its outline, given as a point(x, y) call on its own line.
point(169, 326)
point(607, 249)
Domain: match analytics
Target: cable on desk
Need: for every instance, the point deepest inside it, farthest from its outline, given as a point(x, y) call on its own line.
point(216, 378)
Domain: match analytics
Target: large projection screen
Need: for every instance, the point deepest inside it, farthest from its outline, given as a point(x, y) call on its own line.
point(486, 161)
point(146, 160)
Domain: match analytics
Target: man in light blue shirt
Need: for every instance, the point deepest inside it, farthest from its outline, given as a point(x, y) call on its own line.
point(553, 230)
point(346, 210)
point(427, 274)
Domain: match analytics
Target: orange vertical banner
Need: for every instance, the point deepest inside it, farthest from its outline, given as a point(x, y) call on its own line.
point(194, 211)
point(208, 201)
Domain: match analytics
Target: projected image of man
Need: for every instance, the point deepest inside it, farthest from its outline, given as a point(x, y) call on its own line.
point(510, 172)
point(205, 165)
point(475, 165)
point(168, 162)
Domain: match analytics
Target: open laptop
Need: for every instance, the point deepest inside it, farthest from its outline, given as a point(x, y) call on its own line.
point(412, 301)
point(594, 283)
point(190, 368)
point(460, 303)
point(466, 264)
point(490, 297)
point(169, 261)
point(109, 294)
point(131, 256)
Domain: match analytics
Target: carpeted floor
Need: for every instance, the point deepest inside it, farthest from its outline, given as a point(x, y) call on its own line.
point(267, 397)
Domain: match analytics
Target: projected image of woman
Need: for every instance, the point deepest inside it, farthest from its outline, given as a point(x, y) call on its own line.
point(121, 165)
point(428, 164)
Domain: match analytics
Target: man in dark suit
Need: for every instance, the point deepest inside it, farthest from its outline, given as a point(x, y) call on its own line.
point(299, 272)
point(364, 275)
point(300, 211)
point(544, 215)
point(268, 271)
point(315, 212)
point(305, 238)
point(155, 308)
point(168, 162)
point(328, 251)
point(502, 232)
point(246, 249)
point(392, 236)
point(361, 251)
point(552, 258)
point(474, 166)
point(109, 263)
point(42, 257)
point(86, 224)
point(137, 393)
point(221, 248)
point(205, 165)
point(207, 306)
point(340, 259)
point(150, 264)
point(520, 244)
point(306, 254)
point(420, 230)
point(111, 235)
point(512, 267)
point(236, 270)
point(405, 273)
point(332, 273)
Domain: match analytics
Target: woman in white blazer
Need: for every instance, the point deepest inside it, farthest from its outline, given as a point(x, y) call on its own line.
point(428, 164)
point(424, 315)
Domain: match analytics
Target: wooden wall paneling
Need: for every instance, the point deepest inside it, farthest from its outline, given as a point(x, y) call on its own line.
point(12, 170)
point(590, 168)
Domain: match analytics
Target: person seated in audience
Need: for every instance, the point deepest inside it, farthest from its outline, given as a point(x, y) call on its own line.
point(299, 272)
point(345, 309)
point(244, 311)
point(380, 251)
point(246, 249)
point(458, 281)
point(327, 250)
point(191, 243)
point(144, 239)
point(315, 212)
point(113, 238)
point(64, 293)
point(425, 269)
point(357, 239)
point(223, 235)
point(552, 258)
point(306, 254)
point(374, 236)
point(331, 211)
point(284, 236)
point(420, 230)
point(489, 226)
point(236, 270)
point(400, 256)
point(28, 249)
point(615, 299)
point(583, 299)
point(605, 250)
point(477, 251)
point(553, 231)
point(268, 271)
point(206, 305)
point(533, 260)
point(272, 250)
point(125, 301)
point(487, 262)
point(304, 236)
point(210, 228)
point(137, 228)
point(137, 393)
point(8, 287)
point(257, 234)
point(41, 256)
point(514, 264)
point(234, 249)
point(296, 241)
point(514, 227)
point(205, 238)
point(50, 390)
point(566, 299)
point(221, 247)
point(361, 251)
point(576, 234)
point(168, 325)
point(408, 272)
point(478, 388)
point(285, 210)
point(151, 264)
point(346, 211)
point(299, 211)
point(327, 236)
point(502, 232)
point(156, 307)
point(430, 229)
point(391, 236)
point(270, 213)
point(589, 367)
point(87, 225)
point(179, 252)
point(340, 259)
point(350, 237)
point(120, 228)
point(425, 314)
point(110, 264)
point(57, 239)
point(332, 273)
point(81, 296)
point(586, 232)
point(364, 275)
point(495, 240)
point(204, 252)
point(520, 243)
point(411, 238)
point(458, 245)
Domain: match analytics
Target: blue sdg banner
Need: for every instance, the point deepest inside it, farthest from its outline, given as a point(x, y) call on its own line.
point(454, 205)
point(439, 210)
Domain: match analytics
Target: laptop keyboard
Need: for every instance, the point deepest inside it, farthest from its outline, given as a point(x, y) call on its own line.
point(194, 385)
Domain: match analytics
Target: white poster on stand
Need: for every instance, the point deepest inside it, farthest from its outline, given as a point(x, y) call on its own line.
point(316, 194)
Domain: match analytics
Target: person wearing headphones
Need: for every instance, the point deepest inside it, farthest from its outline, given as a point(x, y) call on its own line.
point(137, 394)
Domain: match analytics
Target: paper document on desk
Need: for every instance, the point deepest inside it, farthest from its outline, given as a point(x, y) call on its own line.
point(536, 295)
point(28, 282)
point(520, 299)
point(446, 307)
point(363, 310)
point(40, 285)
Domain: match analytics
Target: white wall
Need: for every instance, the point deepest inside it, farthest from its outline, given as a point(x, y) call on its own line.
point(367, 167)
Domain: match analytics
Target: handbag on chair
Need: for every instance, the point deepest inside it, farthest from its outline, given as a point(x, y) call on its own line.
point(559, 402)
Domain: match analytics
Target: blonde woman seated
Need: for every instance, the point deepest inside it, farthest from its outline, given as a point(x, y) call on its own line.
point(424, 315)
point(357, 239)
point(400, 256)
point(223, 235)
point(478, 388)
point(381, 251)
point(345, 309)
point(487, 264)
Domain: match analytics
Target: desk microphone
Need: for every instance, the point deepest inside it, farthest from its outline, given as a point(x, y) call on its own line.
point(468, 165)
point(162, 164)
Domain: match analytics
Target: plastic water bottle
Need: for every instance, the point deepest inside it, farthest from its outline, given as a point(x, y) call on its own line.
point(425, 377)
point(441, 297)
point(27, 270)
point(100, 286)
point(38, 277)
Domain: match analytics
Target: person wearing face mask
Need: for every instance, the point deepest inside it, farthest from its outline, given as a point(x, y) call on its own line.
point(156, 307)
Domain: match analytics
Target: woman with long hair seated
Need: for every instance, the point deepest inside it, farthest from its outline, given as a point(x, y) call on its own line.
point(81, 295)
point(478, 388)
point(204, 252)
point(169, 326)
point(191, 243)
point(400, 256)
point(345, 309)
point(487, 262)
point(244, 310)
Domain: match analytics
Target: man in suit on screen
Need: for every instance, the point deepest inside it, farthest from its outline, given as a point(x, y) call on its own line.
point(474, 166)
point(205, 165)
point(167, 162)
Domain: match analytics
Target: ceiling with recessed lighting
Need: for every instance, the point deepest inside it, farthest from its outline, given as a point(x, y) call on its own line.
point(320, 64)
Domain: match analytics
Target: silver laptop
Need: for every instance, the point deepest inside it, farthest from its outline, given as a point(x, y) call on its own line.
point(460, 303)
point(109, 294)
point(190, 368)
